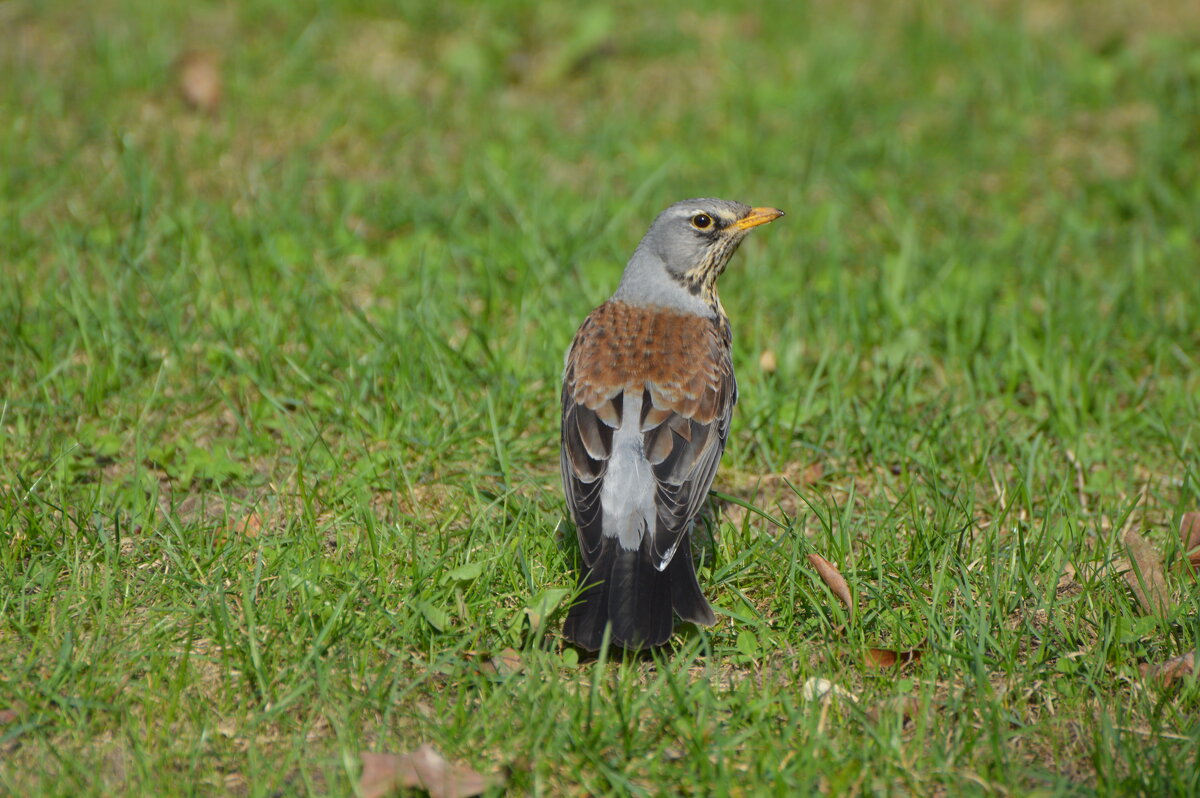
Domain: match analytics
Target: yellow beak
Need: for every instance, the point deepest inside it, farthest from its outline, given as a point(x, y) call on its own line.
point(756, 217)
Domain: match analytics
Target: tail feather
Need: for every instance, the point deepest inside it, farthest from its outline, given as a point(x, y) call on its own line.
point(686, 598)
point(623, 587)
point(585, 620)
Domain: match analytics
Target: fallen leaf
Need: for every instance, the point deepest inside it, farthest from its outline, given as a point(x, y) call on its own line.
point(426, 769)
point(767, 361)
point(886, 657)
point(1146, 578)
point(1068, 576)
point(1189, 531)
point(200, 80)
point(9, 715)
point(833, 578)
point(816, 689)
point(249, 526)
point(504, 662)
point(1167, 672)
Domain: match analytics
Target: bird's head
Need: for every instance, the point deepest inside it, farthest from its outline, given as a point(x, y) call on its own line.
point(690, 244)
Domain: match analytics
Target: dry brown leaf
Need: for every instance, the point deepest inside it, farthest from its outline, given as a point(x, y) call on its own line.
point(767, 361)
point(1068, 576)
point(8, 715)
point(425, 768)
point(1189, 532)
point(833, 578)
point(249, 526)
point(1146, 578)
point(504, 662)
point(1172, 669)
point(886, 657)
point(200, 80)
point(812, 473)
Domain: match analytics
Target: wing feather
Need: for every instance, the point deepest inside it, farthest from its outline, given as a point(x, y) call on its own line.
point(698, 427)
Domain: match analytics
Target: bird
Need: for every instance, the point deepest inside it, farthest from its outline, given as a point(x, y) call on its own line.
point(647, 397)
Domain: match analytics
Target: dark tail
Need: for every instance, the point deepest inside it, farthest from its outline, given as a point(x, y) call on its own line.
point(624, 588)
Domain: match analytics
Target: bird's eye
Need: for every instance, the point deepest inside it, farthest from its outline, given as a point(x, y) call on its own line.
point(702, 221)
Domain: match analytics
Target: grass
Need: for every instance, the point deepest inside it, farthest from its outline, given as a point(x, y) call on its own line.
point(278, 393)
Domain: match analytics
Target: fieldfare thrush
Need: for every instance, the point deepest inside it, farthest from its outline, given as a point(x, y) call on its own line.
point(648, 393)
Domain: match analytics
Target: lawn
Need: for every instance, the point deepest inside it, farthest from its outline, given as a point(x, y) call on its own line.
point(279, 393)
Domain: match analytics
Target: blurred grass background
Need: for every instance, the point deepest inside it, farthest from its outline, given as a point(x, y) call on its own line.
point(278, 395)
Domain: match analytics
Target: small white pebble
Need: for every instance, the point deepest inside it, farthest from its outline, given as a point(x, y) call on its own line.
point(816, 689)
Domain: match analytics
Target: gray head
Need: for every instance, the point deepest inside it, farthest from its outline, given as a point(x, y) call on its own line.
point(683, 253)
